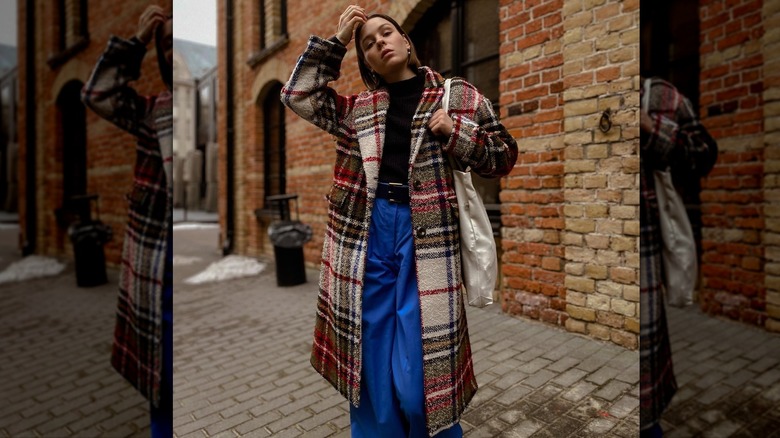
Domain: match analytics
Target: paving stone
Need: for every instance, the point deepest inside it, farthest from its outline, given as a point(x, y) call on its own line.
point(544, 395)
point(539, 378)
point(623, 406)
point(579, 391)
point(714, 394)
point(612, 390)
point(524, 429)
point(553, 410)
point(600, 426)
point(489, 429)
point(603, 375)
point(483, 413)
point(570, 377)
point(563, 427)
point(513, 394)
point(563, 364)
point(722, 430)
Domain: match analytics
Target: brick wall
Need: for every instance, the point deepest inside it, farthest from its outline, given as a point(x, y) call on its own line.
point(733, 196)
point(110, 152)
point(601, 60)
point(532, 110)
point(570, 206)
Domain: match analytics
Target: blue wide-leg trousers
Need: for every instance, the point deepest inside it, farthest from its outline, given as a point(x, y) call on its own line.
point(392, 401)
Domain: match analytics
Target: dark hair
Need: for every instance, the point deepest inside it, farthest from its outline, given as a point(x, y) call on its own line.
point(371, 79)
point(166, 69)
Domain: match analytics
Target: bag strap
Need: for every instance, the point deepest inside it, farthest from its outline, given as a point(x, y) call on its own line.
point(445, 105)
point(445, 100)
point(646, 95)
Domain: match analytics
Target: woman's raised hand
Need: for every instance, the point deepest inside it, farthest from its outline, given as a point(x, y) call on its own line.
point(152, 17)
point(353, 15)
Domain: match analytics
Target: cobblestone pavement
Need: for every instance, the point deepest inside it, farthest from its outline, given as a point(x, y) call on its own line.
point(728, 375)
point(241, 366)
point(55, 375)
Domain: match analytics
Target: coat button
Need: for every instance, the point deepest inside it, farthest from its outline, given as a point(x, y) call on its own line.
point(420, 232)
point(417, 185)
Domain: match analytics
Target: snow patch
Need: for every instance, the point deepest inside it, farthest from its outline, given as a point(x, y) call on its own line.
point(228, 268)
point(31, 267)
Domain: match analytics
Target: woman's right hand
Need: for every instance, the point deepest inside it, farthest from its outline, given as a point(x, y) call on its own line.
point(152, 17)
point(353, 15)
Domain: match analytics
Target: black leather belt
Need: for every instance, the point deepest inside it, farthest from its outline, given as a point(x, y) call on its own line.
point(393, 192)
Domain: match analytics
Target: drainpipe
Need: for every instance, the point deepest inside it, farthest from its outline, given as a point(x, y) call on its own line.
point(228, 244)
point(30, 207)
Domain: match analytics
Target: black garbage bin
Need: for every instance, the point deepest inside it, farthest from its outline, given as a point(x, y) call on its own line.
point(288, 238)
point(88, 239)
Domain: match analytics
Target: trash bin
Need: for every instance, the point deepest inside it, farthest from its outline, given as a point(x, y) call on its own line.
point(88, 239)
point(288, 238)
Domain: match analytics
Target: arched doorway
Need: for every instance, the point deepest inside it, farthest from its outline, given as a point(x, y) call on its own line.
point(274, 159)
point(71, 115)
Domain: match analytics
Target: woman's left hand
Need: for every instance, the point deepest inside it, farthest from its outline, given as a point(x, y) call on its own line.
point(440, 123)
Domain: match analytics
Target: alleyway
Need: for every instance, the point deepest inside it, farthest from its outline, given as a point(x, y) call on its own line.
point(242, 366)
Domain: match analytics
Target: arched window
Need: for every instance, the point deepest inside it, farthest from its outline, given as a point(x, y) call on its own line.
point(72, 120)
point(274, 141)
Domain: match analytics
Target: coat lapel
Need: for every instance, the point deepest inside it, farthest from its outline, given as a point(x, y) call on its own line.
point(370, 122)
point(429, 103)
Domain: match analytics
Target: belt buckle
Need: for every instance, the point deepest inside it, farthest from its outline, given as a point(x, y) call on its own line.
point(390, 192)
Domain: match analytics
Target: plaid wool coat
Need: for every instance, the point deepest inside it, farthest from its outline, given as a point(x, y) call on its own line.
point(358, 124)
point(678, 140)
point(137, 348)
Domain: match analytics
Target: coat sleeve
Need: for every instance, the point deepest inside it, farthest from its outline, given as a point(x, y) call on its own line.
point(678, 138)
point(481, 142)
point(107, 92)
point(307, 92)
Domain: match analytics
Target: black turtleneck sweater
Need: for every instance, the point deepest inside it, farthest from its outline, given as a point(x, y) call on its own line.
point(404, 98)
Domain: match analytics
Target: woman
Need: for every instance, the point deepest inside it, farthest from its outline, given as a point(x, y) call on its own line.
point(671, 135)
point(391, 331)
point(143, 337)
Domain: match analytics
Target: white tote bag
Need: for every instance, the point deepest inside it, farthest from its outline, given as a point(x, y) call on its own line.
point(679, 247)
point(477, 245)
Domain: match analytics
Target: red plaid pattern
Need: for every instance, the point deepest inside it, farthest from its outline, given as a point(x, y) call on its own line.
point(358, 124)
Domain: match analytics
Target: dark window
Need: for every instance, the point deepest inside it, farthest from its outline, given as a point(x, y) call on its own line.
point(274, 141)
point(8, 139)
point(273, 21)
point(272, 30)
point(460, 38)
point(670, 44)
point(72, 32)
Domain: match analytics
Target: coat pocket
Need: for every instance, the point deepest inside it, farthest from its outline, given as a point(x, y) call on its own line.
point(336, 197)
